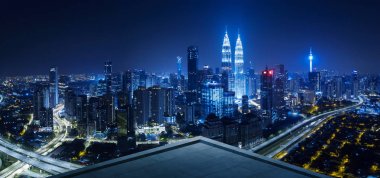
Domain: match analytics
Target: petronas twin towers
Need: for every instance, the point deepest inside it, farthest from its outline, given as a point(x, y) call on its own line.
point(233, 76)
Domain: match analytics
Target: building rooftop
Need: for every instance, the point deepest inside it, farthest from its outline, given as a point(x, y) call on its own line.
point(195, 157)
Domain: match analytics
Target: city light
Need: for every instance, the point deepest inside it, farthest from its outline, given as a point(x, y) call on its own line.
point(151, 86)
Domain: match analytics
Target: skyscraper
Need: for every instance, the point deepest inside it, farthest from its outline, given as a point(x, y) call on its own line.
point(267, 95)
point(127, 81)
point(169, 102)
point(40, 98)
point(229, 105)
point(179, 67)
point(239, 69)
point(53, 84)
point(108, 76)
point(315, 81)
point(157, 104)
point(70, 102)
point(139, 79)
point(45, 117)
point(109, 104)
point(97, 114)
point(279, 91)
point(338, 87)
point(244, 104)
point(43, 114)
point(141, 105)
point(251, 82)
point(192, 67)
point(212, 99)
point(355, 84)
point(82, 114)
point(227, 74)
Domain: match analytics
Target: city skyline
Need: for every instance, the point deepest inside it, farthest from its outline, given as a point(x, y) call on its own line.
point(50, 37)
point(176, 88)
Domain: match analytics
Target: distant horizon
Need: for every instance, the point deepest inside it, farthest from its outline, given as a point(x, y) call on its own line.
point(185, 73)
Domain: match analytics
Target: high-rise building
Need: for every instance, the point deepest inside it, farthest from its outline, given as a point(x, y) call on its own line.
point(279, 71)
point(227, 74)
point(212, 99)
point(126, 126)
point(251, 83)
point(338, 87)
point(315, 81)
point(229, 105)
point(157, 104)
point(109, 104)
point(97, 117)
point(82, 114)
point(267, 95)
point(173, 81)
point(179, 67)
point(141, 104)
point(179, 85)
point(355, 84)
point(169, 102)
point(240, 88)
point(244, 104)
point(192, 67)
point(279, 91)
point(108, 76)
point(139, 79)
point(45, 117)
point(205, 75)
point(41, 104)
point(99, 108)
point(63, 83)
point(127, 82)
point(53, 82)
point(70, 102)
point(189, 114)
point(328, 88)
point(279, 97)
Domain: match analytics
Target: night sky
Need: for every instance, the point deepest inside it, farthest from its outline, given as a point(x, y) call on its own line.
point(78, 35)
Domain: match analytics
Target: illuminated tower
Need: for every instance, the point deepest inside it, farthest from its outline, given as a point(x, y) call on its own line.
point(53, 81)
point(179, 67)
point(212, 99)
point(239, 69)
point(266, 94)
point(311, 60)
point(192, 67)
point(227, 74)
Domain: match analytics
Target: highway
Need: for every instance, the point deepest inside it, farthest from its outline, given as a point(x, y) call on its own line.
point(40, 159)
point(275, 145)
point(35, 162)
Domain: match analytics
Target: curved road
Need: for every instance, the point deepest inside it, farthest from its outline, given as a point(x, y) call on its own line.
point(278, 143)
point(19, 166)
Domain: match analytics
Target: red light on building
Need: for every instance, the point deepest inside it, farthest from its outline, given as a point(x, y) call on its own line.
point(268, 72)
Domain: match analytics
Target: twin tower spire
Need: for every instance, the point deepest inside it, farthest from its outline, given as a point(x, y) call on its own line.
point(226, 49)
point(234, 75)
